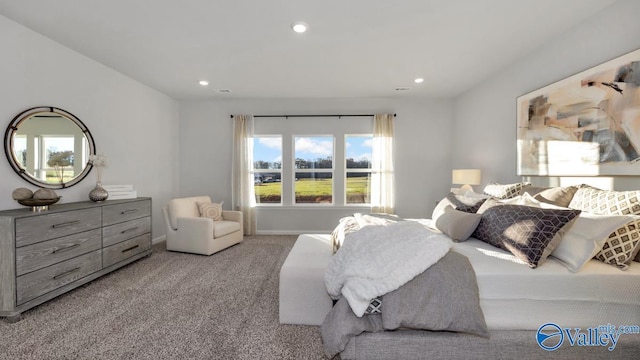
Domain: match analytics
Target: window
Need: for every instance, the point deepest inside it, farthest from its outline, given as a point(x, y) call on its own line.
point(358, 169)
point(20, 149)
point(313, 166)
point(267, 169)
point(310, 161)
point(59, 156)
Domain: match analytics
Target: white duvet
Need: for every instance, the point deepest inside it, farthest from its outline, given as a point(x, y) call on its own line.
point(378, 259)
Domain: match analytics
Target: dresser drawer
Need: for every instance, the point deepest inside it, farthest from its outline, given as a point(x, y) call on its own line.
point(40, 282)
point(40, 255)
point(114, 234)
point(113, 214)
point(126, 249)
point(34, 229)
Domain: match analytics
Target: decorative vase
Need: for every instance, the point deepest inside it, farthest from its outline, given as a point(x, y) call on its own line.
point(98, 193)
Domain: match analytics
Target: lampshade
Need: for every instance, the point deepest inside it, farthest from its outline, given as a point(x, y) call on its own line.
point(466, 176)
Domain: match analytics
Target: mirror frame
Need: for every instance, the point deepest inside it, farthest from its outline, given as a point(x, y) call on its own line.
point(15, 164)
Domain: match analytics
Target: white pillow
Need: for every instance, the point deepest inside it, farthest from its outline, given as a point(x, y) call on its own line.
point(524, 200)
point(586, 237)
point(473, 194)
point(530, 200)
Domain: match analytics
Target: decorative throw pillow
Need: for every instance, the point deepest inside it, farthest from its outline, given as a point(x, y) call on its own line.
point(606, 202)
point(532, 190)
point(529, 233)
point(459, 202)
point(525, 200)
point(586, 237)
point(623, 244)
point(505, 191)
point(211, 210)
point(473, 194)
point(458, 225)
point(560, 196)
point(375, 306)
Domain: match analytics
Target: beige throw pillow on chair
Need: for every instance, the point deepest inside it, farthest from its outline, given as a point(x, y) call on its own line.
point(211, 210)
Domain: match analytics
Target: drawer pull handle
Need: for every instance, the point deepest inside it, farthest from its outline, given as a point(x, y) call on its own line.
point(129, 230)
point(130, 211)
point(66, 273)
point(131, 248)
point(70, 223)
point(59, 250)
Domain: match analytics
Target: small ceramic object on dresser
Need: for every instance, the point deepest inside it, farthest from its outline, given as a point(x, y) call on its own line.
point(21, 194)
point(38, 200)
point(98, 193)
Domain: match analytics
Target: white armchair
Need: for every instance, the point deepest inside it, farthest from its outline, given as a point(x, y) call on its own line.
point(188, 232)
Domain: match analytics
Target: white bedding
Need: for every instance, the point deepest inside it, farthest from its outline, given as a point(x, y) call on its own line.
point(378, 259)
point(515, 297)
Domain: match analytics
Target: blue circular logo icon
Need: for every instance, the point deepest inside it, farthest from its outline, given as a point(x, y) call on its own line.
point(549, 336)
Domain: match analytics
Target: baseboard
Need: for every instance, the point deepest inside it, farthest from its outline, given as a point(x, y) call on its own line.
point(159, 239)
point(162, 238)
point(290, 232)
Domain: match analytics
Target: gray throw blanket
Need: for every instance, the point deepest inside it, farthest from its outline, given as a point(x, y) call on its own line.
point(444, 297)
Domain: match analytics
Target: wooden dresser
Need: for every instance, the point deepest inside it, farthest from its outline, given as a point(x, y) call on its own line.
point(45, 254)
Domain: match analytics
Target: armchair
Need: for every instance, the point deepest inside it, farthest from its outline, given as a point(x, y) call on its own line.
point(188, 232)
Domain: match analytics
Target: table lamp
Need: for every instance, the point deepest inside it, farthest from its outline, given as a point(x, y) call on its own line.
point(466, 177)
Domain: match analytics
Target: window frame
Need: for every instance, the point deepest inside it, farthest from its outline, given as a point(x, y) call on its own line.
point(255, 171)
point(334, 126)
point(295, 170)
point(356, 170)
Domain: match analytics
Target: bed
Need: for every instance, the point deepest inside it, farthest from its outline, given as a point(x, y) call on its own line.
point(517, 297)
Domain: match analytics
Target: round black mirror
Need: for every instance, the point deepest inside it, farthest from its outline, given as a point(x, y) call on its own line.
point(49, 147)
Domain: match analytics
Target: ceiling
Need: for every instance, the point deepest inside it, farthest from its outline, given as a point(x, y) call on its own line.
point(353, 48)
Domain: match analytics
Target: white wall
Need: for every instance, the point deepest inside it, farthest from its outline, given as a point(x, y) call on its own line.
point(485, 123)
point(423, 171)
point(133, 125)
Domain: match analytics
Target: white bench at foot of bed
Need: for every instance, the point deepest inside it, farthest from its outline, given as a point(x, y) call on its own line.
point(303, 295)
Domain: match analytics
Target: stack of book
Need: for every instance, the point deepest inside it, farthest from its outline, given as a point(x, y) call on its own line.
point(119, 192)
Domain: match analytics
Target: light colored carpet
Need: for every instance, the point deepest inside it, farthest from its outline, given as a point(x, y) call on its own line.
point(171, 306)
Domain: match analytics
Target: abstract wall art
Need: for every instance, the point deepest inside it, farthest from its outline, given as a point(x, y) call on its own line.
point(585, 125)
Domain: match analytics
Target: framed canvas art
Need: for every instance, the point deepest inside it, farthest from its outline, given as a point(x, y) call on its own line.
point(585, 125)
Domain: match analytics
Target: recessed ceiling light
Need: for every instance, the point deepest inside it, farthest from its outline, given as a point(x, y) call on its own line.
point(299, 27)
point(418, 80)
point(203, 82)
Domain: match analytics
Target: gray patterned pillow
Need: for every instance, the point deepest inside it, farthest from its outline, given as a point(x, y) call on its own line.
point(505, 191)
point(623, 244)
point(529, 233)
point(375, 306)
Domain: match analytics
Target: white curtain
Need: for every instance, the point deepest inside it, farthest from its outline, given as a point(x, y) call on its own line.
point(382, 178)
point(241, 178)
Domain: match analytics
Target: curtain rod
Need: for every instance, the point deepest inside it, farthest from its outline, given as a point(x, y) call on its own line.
point(288, 116)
